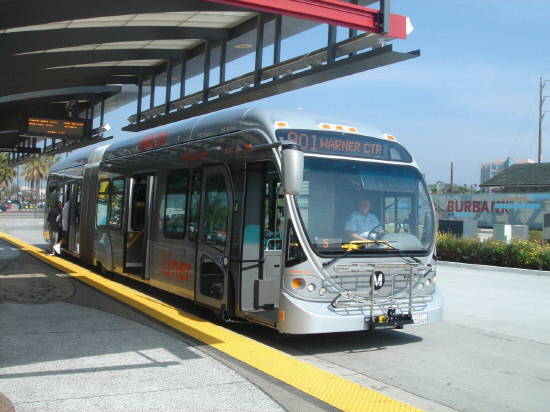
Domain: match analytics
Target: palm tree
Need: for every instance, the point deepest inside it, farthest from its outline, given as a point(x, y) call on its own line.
point(7, 173)
point(33, 171)
point(37, 169)
point(50, 161)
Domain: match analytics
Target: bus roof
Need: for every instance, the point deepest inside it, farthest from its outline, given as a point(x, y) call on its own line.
point(227, 121)
point(218, 123)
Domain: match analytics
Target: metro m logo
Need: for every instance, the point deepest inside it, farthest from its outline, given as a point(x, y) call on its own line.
point(378, 279)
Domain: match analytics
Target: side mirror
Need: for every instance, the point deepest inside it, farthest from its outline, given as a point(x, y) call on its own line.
point(293, 167)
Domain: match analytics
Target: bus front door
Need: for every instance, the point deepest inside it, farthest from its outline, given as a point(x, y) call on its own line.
point(73, 191)
point(74, 238)
point(139, 221)
point(214, 239)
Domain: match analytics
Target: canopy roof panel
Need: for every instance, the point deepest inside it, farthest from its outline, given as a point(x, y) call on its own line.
point(94, 57)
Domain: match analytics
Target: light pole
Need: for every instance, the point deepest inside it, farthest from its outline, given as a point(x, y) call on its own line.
point(17, 194)
point(541, 116)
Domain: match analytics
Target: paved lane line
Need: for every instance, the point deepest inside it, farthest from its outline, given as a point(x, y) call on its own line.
point(327, 387)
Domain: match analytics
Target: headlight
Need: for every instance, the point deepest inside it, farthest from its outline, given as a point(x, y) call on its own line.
point(298, 283)
point(306, 287)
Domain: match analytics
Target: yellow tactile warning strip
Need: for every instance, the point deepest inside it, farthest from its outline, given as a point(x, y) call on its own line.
point(334, 390)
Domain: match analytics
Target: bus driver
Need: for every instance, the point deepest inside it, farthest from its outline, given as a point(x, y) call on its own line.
point(361, 222)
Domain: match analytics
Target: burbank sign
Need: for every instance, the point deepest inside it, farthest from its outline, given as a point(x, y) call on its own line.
point(495, 208)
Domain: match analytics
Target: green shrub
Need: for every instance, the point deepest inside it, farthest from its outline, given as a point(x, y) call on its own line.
point(535, 236)
point(519, 253)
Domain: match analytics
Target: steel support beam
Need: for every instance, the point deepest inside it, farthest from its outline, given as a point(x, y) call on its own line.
point(102, 115)
point(333, 12)
point(259, 50)
point(206, 71)
point(318, 74)
point(183, 75)
point(139, 97)
point(331, 44)
point(277, 39)
point(152, 96)
point(168, 87)
point(223, 53)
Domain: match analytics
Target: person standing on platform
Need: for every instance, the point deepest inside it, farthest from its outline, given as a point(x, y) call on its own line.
point(54, 221)
point(64, 228)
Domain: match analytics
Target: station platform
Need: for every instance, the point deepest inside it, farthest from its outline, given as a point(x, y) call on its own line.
point(71, 340)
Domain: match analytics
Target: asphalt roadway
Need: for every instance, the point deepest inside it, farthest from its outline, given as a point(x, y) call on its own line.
point(490, 353)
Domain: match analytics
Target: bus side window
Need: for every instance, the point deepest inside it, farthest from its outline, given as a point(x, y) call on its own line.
point(52, 197)
point(295, 253)
point(116, 203)
point(102, 203)
point(216, 212)
point(274, 215)
point(78, 203)
point(139, 196)
point(176, 204)
point(195, 202)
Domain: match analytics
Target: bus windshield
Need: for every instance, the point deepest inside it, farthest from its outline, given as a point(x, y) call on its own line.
point(386, 203)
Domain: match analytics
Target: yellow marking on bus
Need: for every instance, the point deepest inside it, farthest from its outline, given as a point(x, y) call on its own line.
point(357, 244)
point(135, 238)
point(325, 386)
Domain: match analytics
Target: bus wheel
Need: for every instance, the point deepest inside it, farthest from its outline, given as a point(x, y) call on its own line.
point(221, 314)
point(104, 272)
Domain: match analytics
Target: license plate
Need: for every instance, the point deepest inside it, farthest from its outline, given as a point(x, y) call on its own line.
point(420, 319)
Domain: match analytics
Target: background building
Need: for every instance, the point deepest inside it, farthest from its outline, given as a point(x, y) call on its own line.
point(489, 170)
point(522, 178)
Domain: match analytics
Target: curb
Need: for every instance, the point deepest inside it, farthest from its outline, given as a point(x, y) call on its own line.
point(494, 268)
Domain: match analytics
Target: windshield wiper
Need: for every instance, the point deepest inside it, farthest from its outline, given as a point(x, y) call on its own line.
point(403, 255)
point(398, 252)
point(337, 258)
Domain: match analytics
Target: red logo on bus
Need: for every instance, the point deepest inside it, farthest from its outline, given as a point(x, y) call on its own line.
point(152, 141)
point(175, 268)
point(187, 157)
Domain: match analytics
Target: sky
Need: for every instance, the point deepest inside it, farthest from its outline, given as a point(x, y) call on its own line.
point(470, 98)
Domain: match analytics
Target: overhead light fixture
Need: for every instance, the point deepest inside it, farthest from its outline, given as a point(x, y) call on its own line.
point(243, 46)
point(102, 129)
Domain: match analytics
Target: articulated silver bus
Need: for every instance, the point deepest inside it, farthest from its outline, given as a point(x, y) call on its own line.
point(247, 212)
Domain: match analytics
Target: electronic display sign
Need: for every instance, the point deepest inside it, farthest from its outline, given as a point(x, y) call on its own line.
point(55, 128)
point(333, 143)
point(17, 149)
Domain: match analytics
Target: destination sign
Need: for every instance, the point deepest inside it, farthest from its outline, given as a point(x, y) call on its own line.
point(55, 128)
point(13, 149)
point(345, 145)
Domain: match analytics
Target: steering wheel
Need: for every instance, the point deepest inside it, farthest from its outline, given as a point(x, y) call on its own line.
point(373, 234)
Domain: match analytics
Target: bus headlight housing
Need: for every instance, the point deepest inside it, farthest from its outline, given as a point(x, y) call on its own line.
point(307, 287)
point(298, 283)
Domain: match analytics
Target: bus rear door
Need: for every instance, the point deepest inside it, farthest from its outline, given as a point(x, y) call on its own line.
point(74, 239)
point(73, 192)
point(214, 238)
point(137, 247)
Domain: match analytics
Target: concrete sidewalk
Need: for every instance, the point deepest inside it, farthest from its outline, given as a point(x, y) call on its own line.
point(67, 347)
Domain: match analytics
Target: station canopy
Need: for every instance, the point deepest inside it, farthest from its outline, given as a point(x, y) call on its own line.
point(65, 64)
